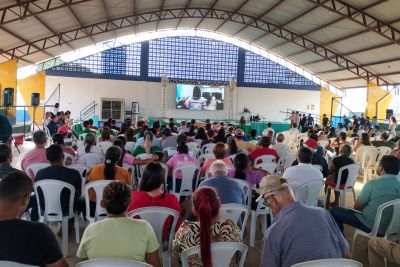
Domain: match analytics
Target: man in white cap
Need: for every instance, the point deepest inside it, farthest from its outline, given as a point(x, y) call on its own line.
point(298, 233)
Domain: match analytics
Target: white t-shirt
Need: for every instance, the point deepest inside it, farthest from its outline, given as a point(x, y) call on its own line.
point(93, 149)
point(282, 149)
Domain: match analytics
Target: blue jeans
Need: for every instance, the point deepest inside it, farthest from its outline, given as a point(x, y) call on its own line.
point(345, 216)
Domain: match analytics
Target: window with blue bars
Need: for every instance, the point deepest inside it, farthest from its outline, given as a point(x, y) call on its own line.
point(185, 58)
point(124, 60)
point(259, 70)
point(192, 58)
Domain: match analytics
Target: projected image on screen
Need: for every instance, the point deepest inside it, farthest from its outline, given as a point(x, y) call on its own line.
point(199, 97)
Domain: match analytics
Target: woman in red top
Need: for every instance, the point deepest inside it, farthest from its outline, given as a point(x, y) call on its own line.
point(152, 193)
point(263, 149)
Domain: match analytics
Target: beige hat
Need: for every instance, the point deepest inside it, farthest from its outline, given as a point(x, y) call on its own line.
point(271, 183)
point(239, 132)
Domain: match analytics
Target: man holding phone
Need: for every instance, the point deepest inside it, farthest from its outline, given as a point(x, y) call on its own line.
point(374, 193)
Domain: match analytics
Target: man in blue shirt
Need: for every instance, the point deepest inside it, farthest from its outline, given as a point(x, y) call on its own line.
point(298, 233)
point(229, 191)
point(374, 193)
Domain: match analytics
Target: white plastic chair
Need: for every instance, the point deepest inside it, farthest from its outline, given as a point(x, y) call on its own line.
point(190, 173)
point(353, 170)
point(35, 167)
point(204, 157)
point(221, 253)
point(288, 161)
point(236, 212)
point(70, 157)
point(329, 263)
point(91, 159)
point(360, 153)
point(112, 263)
point(157, 217)
point(263, 211)
point(98, 188)
point(309, 193)
point(52, 211)
point(368, 163)
point(323, 143)
point(192, 145)
point(393, 227)
point(270, 167)
point(129, 146)
point(82, 171)
point(14, 264)
point(104, 145)
point(207, 148)
point(264, 159)
point(47, 131)
point(246, 189)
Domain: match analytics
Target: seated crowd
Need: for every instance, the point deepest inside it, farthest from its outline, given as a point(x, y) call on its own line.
point(145, 167)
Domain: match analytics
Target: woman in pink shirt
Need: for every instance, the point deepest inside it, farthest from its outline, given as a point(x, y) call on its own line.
point(219, 152)
point(182, 158)
point(152, 192)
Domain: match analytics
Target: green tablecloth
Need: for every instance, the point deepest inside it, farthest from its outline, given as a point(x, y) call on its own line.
point(261, 125)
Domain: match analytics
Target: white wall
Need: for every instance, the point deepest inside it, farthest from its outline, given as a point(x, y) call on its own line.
point(76, 93)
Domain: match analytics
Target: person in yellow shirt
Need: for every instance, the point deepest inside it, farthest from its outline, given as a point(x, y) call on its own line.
point(118, 236)
point(109, 170)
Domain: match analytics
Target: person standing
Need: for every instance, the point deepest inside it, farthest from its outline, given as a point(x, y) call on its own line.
point(325, 120)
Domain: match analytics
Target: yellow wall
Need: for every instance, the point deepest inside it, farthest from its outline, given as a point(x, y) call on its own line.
point(375, 93)
point(8, 78)
point(33, 84)
point(326, 102)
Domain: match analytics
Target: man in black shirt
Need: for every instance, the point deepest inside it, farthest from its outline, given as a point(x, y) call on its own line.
point(57, 171)
point(53, 125)
point(23, 241)
point(5, 160)
point(325, 120)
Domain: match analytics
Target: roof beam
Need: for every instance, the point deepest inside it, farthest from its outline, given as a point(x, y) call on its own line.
point(362, 65)
point(360, 17)
point(49, 28)
point(346, 54)
point(19, 11)
point(330, 23)
point(161, 9)
point(108, 16)
point(180, 19)
point(356, 78)
point(24, 40)
point(260, 16)
point(199, 13)
point(287, 22)
point(236, 10)
point(211, 8)
point(78, 20)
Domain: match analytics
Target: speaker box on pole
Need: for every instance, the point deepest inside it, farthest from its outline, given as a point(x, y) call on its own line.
point(35, 100)
point(389, 113)
point(8, 97)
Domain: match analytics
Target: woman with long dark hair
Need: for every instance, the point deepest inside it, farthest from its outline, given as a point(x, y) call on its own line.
point(244, 170)
point(88, 147)
point(201, 134)
point(207, 229)
point(109, 170)
point(232, 148)
point(152, 192)
point(220, 137)
point(363, 141)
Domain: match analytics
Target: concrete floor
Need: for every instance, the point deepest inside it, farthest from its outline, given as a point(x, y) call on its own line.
point(253, 256)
